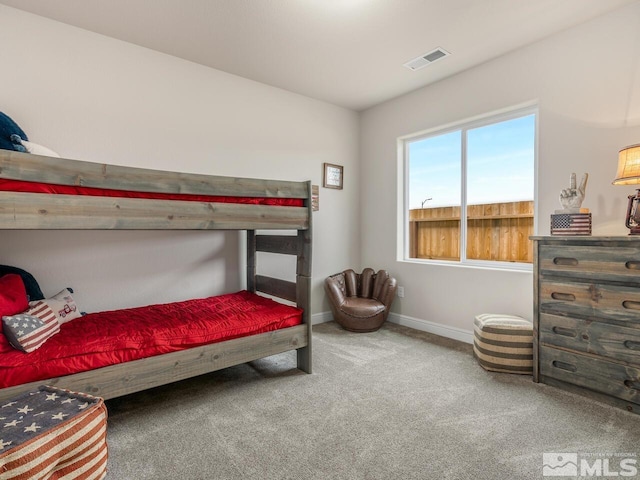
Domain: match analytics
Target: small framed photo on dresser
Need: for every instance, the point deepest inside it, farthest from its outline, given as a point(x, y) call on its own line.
point(332, 176)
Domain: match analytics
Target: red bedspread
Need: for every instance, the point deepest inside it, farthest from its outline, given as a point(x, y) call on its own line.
point(106, 338)
point(35, 187)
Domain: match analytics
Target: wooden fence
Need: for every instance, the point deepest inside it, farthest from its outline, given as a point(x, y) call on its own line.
point(495, 231)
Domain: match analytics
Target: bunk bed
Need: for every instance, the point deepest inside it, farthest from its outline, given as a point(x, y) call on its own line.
point(39, 192)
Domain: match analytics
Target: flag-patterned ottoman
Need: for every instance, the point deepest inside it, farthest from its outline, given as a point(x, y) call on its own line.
point(53, 433)
point(503, 343)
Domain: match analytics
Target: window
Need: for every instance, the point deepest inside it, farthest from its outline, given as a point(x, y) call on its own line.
point(481, 171)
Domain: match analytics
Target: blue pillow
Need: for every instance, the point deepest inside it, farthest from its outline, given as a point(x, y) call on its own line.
point(11, 135)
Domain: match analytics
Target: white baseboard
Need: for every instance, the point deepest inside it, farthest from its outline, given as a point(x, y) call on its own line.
point(454, 333)
point(322, 317)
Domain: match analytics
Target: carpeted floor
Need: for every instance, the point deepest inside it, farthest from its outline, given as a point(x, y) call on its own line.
point(394, 404)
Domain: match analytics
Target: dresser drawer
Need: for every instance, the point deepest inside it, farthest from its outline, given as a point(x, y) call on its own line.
point(596, 374)
point(598, 338)
point(616, 263)
point(590, 299)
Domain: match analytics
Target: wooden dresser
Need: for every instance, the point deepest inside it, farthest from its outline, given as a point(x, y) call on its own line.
point(586, 330)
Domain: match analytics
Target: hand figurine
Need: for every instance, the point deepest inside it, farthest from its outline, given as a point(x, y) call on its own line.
point(571, 198)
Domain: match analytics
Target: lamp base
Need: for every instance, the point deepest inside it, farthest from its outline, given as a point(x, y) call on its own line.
point(632, 221)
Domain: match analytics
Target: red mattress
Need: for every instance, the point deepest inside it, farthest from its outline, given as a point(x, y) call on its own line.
point(106, 338)
point(35, 187)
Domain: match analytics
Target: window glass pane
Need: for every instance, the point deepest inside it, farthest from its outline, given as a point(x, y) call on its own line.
point(500, 190)
point(434, 196)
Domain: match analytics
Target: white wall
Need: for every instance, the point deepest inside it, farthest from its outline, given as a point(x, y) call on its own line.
point(93, 98)
point(586, 82)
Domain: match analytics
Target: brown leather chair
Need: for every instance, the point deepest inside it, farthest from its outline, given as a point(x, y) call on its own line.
point(361, 302)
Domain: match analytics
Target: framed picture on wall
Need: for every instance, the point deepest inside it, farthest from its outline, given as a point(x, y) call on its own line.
point(332, 176)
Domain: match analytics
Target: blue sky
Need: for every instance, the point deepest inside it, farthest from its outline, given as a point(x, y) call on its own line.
point(500, 159)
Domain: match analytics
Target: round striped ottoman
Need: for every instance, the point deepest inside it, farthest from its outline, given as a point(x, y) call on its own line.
point(503, 343)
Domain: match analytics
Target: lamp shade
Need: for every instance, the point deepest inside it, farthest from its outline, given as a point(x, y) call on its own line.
point(628, 166)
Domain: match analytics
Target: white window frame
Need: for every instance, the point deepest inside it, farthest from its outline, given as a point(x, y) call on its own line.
point(403, 186)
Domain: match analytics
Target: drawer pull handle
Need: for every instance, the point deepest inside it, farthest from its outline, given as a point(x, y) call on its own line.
point(632, 265)
point(571, 262)
point(565, 366)
point(569, 297)
point(634, 384)
point(631, 345)
point(567, 332)
point(631, 305)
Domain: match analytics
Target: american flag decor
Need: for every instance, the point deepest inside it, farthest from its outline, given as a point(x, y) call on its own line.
point(29, 330)
point(571, 224)
point(53, 433)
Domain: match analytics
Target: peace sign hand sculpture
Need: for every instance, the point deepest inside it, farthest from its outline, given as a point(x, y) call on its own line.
point(571, 198)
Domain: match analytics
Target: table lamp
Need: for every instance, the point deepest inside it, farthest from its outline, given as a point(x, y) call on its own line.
point(629, 174)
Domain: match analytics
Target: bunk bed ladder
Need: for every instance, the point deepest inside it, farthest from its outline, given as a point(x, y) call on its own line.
point(298, 291)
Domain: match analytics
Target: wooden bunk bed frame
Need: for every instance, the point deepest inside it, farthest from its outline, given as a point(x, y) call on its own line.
point(25, 211)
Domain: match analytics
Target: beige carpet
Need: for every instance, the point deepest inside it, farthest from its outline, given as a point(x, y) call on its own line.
point(394, 404)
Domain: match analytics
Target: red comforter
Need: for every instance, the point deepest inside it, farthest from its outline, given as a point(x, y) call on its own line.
point(36, 187)
point(106, 338)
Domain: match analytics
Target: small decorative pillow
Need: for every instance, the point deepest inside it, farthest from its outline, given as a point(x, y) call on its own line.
point(13, 295)
point(29, 330)
point(63, 305)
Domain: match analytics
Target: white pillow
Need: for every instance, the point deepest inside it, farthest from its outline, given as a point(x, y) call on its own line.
point(38, 149)
point(63, 305)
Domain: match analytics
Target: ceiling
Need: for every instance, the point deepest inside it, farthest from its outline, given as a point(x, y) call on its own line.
point(345, 52)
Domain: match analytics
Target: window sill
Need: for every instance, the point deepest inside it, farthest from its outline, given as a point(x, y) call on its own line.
point(481, 265)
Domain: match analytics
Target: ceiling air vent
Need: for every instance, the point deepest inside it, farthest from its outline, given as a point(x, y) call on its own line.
point(426, 59)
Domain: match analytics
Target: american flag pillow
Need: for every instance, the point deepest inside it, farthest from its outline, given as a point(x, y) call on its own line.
point(28, 330)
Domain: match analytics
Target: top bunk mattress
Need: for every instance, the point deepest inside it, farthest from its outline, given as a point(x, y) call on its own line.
point(107, 338)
